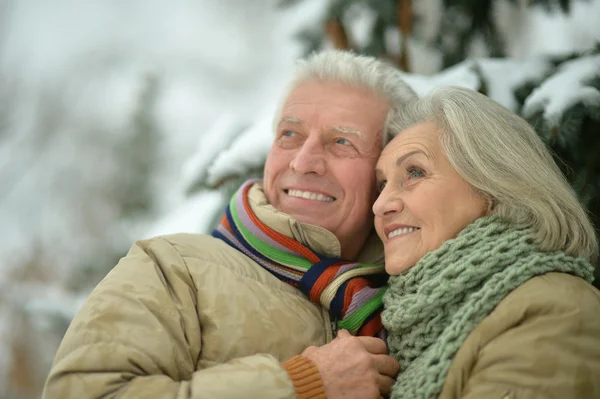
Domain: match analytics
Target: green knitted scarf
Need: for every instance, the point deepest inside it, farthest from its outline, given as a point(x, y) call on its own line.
point(431, 308)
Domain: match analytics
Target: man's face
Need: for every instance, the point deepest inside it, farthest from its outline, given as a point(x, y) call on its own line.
point(320, 169)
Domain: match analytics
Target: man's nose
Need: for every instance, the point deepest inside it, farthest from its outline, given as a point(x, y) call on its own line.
point(310, 158)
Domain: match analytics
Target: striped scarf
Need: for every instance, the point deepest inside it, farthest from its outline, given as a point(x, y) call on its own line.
point(352, 292)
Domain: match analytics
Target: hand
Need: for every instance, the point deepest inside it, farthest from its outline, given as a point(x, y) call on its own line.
point(354, 367)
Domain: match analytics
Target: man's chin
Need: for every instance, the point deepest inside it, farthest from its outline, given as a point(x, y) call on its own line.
point(317, 220)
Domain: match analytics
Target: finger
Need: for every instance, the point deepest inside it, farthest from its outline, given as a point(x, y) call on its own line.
point(309, 351)
point(343, 334)
point(385, 384)
point(386, 365)
point(374, 345)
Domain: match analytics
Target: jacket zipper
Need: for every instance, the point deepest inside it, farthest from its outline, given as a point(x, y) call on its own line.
point(329, 325)
point(334, 328)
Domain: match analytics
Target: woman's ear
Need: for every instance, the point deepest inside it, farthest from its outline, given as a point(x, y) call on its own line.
point(492, 203)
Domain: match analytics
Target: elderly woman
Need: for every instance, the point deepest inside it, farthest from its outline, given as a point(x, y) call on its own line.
point(489, 252)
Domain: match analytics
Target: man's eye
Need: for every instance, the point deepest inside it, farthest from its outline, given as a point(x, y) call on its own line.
point(288, 133)
point(381, 185)
point(342, 141)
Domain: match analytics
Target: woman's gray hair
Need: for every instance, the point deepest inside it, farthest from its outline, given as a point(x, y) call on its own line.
point(504, 159)
point(337, 66)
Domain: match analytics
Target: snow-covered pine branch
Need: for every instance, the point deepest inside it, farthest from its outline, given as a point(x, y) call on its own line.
point(569, 86)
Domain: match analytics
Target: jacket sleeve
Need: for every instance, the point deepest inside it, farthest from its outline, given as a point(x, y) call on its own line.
point(552, 349)
point(138, 335)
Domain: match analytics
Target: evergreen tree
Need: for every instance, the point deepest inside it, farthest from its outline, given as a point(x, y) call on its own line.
point(559, 96)
point(571, 134)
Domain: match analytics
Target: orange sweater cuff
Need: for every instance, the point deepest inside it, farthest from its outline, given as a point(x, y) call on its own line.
point(305, 377)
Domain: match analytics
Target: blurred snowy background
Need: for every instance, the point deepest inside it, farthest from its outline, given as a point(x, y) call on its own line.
point(121, 120)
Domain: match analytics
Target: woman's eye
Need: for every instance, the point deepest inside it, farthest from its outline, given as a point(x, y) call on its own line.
point(381, 186)
point(414, 172)
point(342, 141)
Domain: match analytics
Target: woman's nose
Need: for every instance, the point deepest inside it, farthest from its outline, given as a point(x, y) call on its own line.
point(387, 204)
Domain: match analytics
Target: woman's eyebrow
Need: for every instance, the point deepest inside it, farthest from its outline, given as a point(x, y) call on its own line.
point(379, 172)
point(408, 154)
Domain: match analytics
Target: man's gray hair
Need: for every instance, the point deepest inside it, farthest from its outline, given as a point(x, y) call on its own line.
point(336, 66)
point(504, 159)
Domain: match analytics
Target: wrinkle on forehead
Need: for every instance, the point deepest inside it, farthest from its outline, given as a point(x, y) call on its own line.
point(421, 138)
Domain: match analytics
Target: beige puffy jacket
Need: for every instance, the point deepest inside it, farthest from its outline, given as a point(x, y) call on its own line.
point(541, 342)
point(186, 316)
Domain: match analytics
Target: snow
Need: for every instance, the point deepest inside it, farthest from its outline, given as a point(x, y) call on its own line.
point(503, 76)
point(213, 164)
point(569, 86)
point(193, 215)
point(72, 74)
point(360, 19)
point(83, 67)
point(55, 305)
point(6, 319)
point(211, 145)
point(248, 152)
point(533, 31)
point(462, 75)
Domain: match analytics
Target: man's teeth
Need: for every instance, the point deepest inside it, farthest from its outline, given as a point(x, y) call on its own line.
point(402, 230)
point(309, 195)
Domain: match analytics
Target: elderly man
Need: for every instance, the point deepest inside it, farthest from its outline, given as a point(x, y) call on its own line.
point(251, 311)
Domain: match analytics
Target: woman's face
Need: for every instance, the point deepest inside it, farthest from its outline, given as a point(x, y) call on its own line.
point(423, 200)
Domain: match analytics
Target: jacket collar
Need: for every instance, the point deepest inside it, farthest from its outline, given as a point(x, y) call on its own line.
point(317, 238)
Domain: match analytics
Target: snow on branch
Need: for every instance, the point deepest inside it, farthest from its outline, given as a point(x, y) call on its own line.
point(248, 152)
point(569, 86)
point(194, 215)
point(504, 76)
point(214, 141)
point(500, 77)
point(462, 74)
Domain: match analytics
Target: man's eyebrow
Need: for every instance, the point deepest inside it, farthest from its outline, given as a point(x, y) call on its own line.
point(346, 130)
point(407, 155)
point(289, 119)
